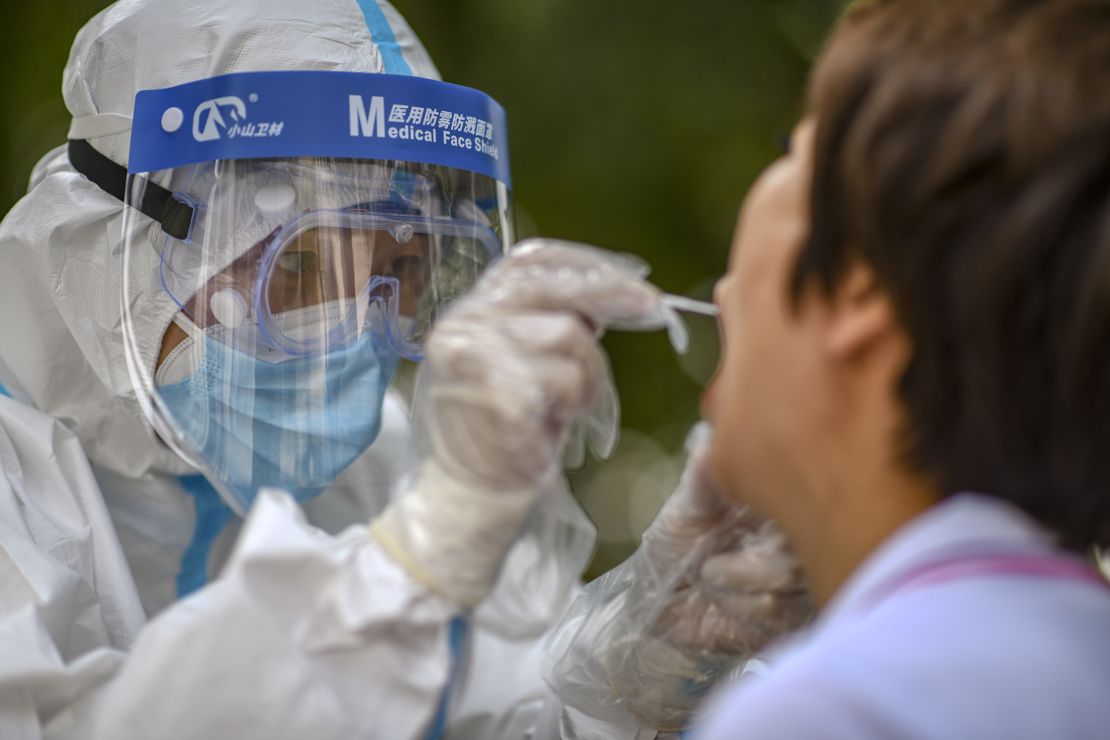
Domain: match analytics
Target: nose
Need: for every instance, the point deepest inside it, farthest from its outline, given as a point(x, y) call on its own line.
point(718, 291)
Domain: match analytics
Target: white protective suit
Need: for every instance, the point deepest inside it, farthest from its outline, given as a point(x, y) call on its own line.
point(304, 634)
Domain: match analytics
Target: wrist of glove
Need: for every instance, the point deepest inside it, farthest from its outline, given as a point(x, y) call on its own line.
point(508, 371)
point(433, 533)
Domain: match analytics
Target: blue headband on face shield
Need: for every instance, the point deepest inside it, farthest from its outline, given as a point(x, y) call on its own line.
point(294, 425)
point(352, 115)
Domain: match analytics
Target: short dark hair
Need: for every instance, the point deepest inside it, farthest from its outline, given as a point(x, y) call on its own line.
point(963, 152)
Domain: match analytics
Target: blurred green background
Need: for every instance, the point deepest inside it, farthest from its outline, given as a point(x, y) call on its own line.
point(637, 126)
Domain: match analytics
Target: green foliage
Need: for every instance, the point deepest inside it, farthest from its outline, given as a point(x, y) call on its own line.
point(35, 38)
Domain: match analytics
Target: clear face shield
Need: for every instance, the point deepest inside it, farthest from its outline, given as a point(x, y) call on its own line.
point(308, 228)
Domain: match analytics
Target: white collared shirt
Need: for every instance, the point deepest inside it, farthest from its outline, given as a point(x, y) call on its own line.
point(982, 655)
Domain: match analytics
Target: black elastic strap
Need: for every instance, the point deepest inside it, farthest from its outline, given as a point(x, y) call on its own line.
point(160, 204)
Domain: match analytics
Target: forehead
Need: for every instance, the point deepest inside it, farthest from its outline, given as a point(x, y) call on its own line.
point(777, 202)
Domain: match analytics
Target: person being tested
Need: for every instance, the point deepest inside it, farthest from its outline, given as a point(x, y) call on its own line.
point(915, 381)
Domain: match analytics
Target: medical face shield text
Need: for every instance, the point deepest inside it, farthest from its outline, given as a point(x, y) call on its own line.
point(314, 225)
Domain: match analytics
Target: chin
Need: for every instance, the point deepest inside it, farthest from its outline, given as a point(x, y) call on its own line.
point(724, 464)
point(744, 472)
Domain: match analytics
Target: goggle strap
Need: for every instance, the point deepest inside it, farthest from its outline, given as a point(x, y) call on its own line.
point(157, 203)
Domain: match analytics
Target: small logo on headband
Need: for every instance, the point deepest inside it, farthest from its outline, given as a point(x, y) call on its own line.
point(226, 116)
point(209, 120)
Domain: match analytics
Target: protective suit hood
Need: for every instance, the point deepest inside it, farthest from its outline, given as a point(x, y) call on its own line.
point(62, 347)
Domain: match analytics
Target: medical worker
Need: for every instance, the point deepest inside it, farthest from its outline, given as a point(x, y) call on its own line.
point(916, 379)
point(208, 293)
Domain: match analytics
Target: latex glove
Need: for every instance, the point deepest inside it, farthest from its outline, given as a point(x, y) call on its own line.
point(710, 585)
point(736, 582)
point(507, 372)
point(760, 588)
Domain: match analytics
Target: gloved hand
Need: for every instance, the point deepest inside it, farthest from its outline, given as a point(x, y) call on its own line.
point(507, 372)
point(759, 586)
point(737, 584)
point(710, 585)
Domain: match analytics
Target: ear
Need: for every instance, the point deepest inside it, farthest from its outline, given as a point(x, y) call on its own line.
point(860, 314)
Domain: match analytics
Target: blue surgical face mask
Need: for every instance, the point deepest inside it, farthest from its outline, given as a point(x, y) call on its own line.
point(293, 425)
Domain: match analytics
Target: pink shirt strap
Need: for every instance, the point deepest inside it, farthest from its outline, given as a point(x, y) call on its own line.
point(963, 565)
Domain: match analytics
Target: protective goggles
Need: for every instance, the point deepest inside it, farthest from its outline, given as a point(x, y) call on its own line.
point(326, 276)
